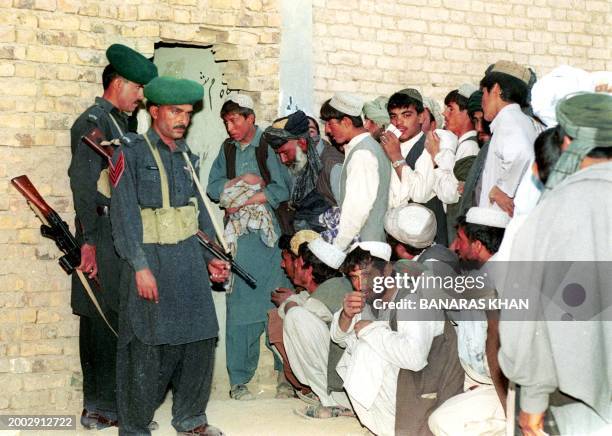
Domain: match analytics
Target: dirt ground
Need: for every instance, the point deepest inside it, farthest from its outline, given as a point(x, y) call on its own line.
point(264, 416)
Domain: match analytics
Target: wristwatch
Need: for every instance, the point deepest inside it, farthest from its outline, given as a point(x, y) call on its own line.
point(398, 163)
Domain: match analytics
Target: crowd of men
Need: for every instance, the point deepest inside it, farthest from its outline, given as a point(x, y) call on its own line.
point(398, 187)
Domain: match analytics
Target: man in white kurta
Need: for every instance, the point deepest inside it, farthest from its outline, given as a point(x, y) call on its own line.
point(511, 146)
point(478, 410)
point(364, 182)
point(374, 354)
point(408, 184)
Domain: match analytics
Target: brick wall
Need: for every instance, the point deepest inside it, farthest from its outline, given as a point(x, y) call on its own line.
point(376, 48)
point(52, 55)
point(51, 60)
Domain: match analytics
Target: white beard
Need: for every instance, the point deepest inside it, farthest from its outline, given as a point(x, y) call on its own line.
point(301, 159)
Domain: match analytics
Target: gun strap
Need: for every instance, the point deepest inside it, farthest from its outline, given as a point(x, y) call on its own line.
point(115, 123)
point(196, 179)
point(94, 300)
point(165, 189)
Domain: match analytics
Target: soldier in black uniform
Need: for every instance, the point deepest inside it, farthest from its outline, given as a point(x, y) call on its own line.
point(123, 81)
point(167, 323)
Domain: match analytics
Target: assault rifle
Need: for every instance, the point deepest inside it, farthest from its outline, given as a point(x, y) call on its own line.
point(95, 139)
point(53, 226)
point(218, 252)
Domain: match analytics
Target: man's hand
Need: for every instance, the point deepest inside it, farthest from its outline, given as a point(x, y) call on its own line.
point(460, 187)
point(88, 260)
point(359, 325)
point(498, 196)
point(147, 285)
point(432, 144)
point(391, 146)
point(257, 198)
point(352, 305)
point(252, 179)
point(532, 424)
point(219, 270)
point(280, 295)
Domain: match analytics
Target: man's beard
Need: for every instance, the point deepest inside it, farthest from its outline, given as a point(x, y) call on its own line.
point(301, 159)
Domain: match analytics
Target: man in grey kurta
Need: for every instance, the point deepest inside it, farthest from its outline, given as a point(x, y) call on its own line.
point(247, 307)
point(571, 223)
point(122, 80)
point(167, 322)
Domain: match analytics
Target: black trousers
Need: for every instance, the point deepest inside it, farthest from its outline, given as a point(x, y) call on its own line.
point(144, 373)
point(98, 352)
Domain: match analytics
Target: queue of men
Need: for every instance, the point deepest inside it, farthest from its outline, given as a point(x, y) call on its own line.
point(399, 186)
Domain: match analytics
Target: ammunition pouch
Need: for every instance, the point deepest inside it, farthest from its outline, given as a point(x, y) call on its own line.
point(169, 225)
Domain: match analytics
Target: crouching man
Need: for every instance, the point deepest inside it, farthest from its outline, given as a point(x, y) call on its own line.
point(395, 371)
point(307, 316)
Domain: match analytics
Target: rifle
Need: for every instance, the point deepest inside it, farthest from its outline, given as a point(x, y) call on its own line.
point(218, 252)
point(53, 226)
point(95, 140)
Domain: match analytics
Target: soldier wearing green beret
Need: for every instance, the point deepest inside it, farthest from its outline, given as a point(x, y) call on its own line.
point(167, 323)
point(123, 81)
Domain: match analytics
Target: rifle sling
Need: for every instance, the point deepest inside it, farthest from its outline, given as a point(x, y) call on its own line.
point(94, 300)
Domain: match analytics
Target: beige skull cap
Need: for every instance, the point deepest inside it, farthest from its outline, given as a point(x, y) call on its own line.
point(512, 69)
point(300, 237)
point(347, 103)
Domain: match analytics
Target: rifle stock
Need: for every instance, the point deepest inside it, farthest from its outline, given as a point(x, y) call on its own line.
point(94, 139)
point(218, 252)
point(25, 187)
point(53, 226)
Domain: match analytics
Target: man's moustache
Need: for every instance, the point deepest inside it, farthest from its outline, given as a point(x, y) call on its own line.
point(180, 126)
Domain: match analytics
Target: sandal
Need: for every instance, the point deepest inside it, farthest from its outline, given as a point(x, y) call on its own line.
point(322, 412)
point(241, 393)
point(284, 390)
point(309, 398)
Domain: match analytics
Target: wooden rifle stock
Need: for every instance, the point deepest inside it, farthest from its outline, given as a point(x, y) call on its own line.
point(94, 139)
point(25, 187)
point(218, 252)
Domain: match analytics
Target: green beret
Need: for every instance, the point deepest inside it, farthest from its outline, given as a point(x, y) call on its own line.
point(169, 90)
point(130, 64)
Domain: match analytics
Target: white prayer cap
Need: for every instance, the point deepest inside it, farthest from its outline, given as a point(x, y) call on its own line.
point(382, 250)
point(411, 224)
point(327, 253)
point(467, 89)
point(448, 140)
point(487, 217)
point(241, 100)
point(435, 110)
point(347, 103)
